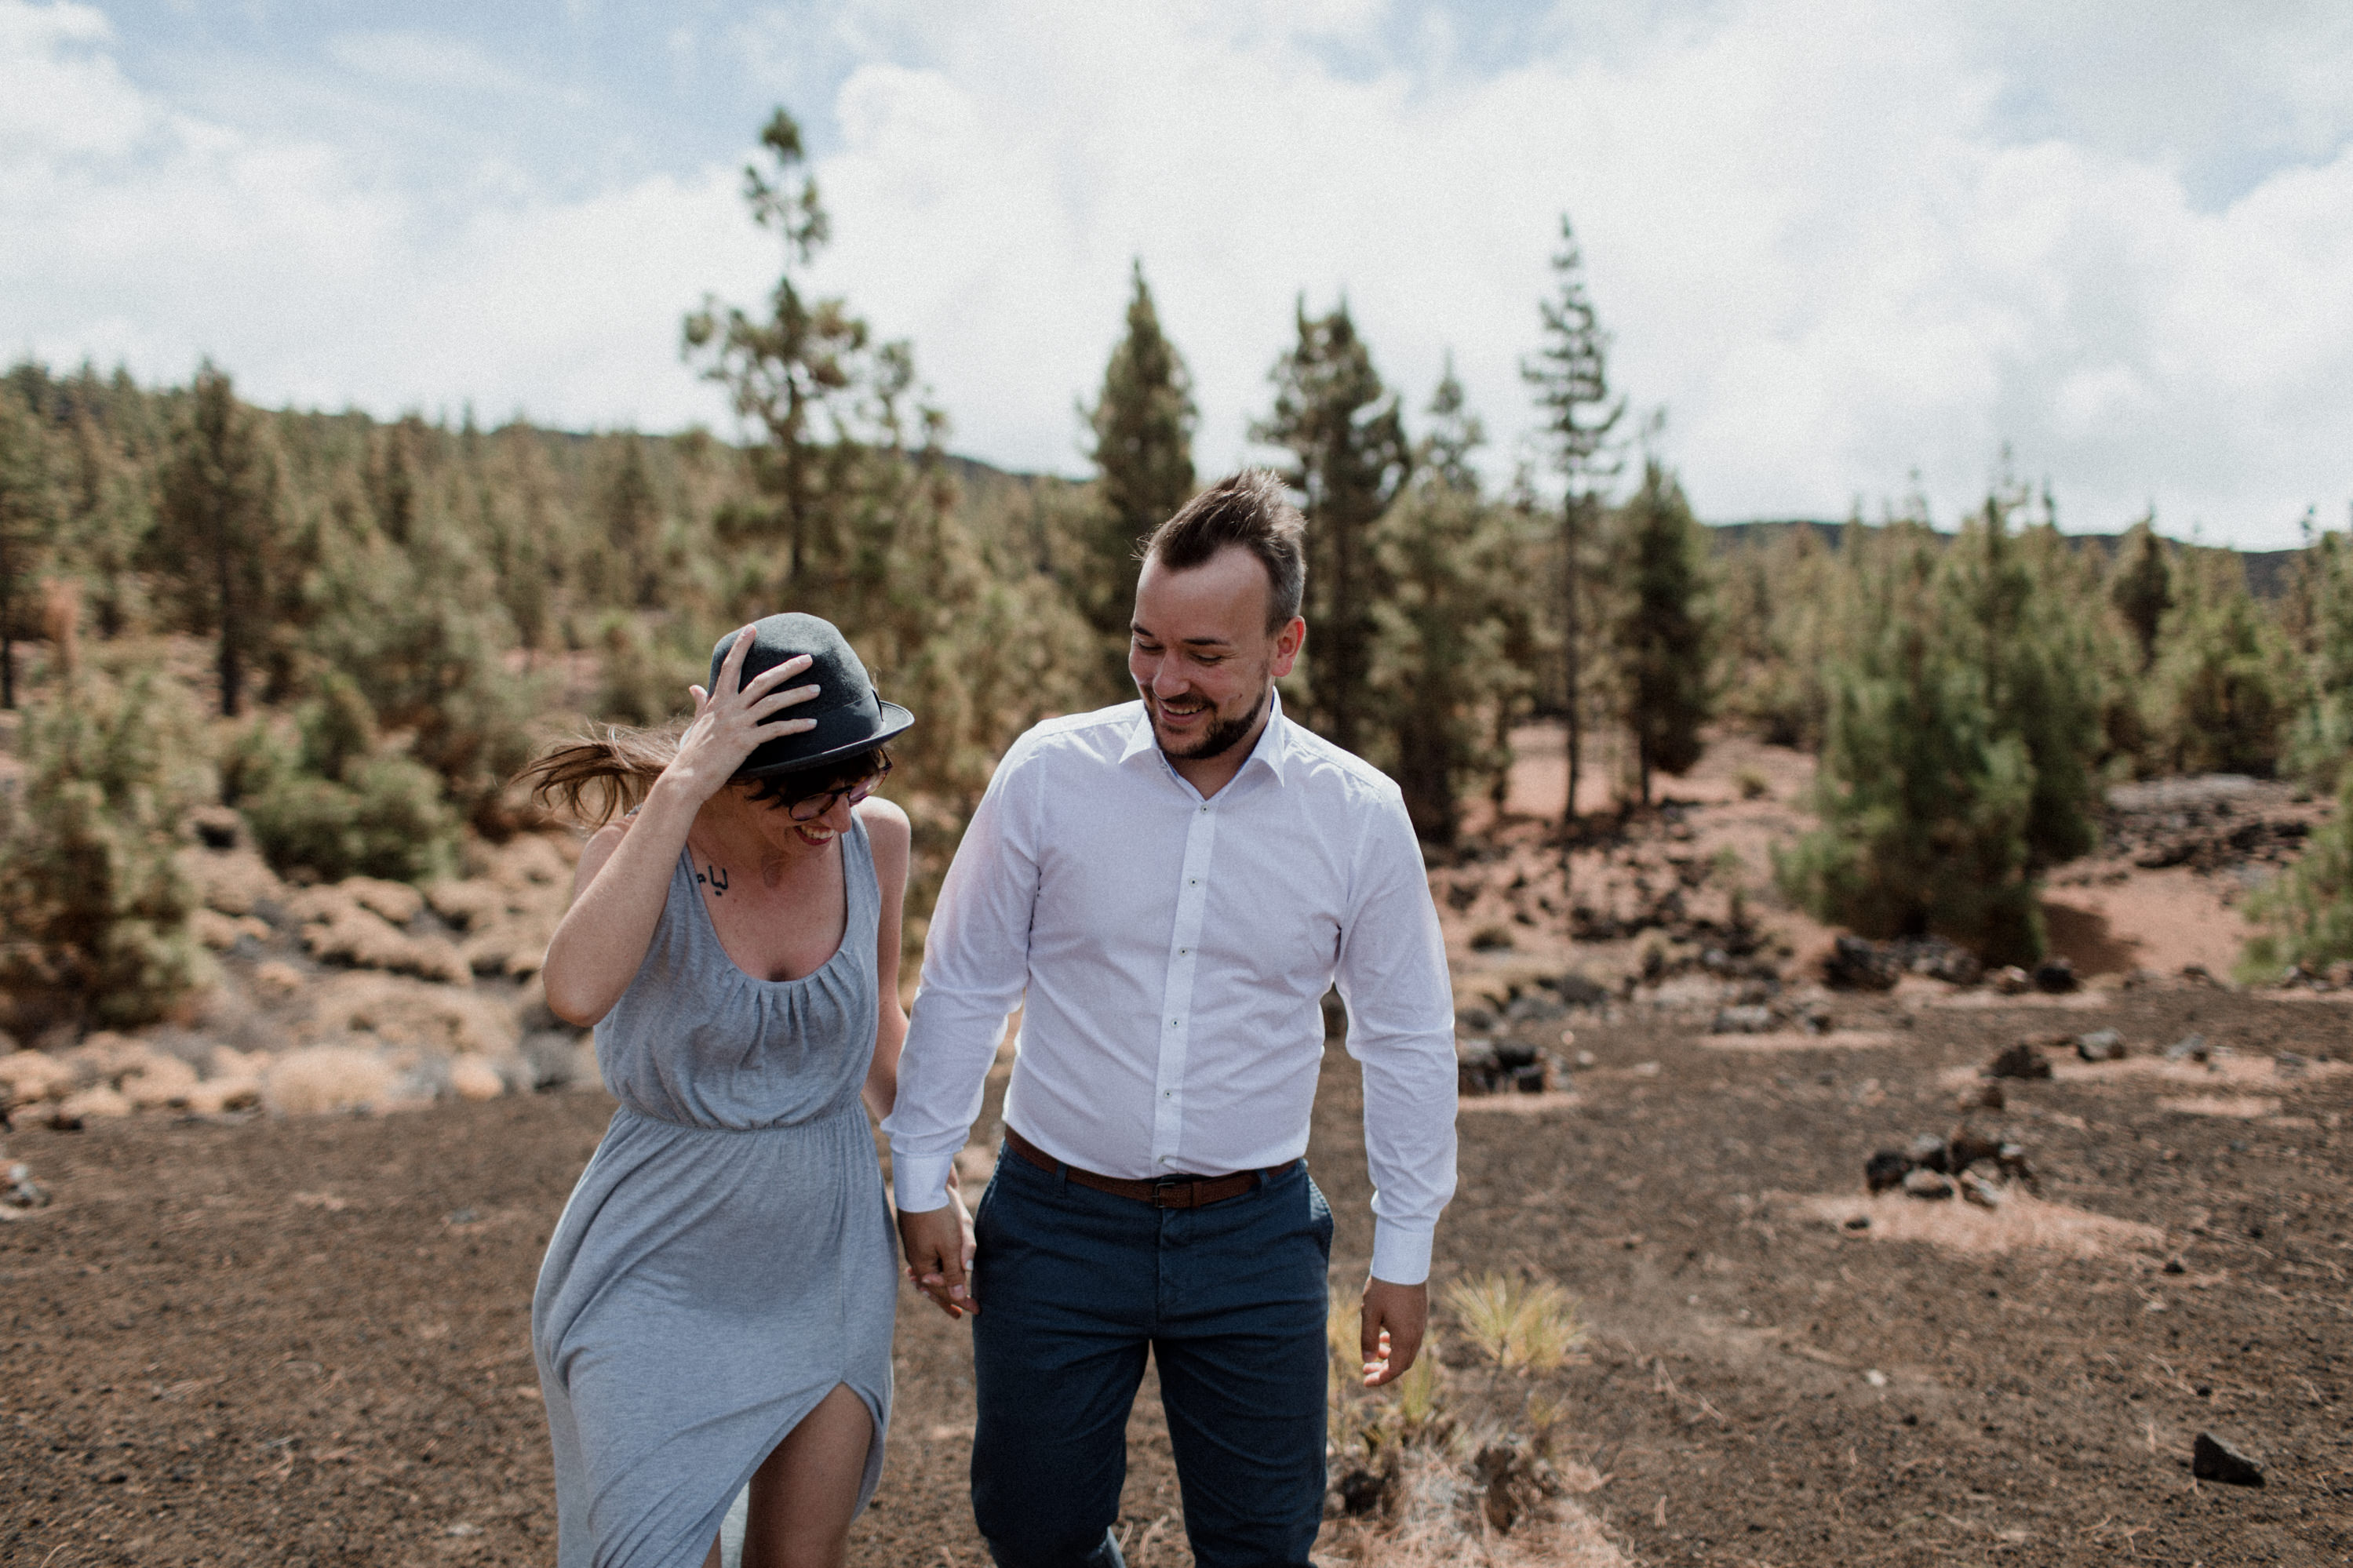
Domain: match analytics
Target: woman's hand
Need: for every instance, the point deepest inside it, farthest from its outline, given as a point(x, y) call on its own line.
point(728, 723)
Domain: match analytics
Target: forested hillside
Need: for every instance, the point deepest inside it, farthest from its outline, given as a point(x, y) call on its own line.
point(351, 632)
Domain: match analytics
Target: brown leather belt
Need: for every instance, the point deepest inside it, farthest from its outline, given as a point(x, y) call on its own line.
point(1168, 1193)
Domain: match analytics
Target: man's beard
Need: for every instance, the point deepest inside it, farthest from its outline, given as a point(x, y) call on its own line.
point(1222, 735)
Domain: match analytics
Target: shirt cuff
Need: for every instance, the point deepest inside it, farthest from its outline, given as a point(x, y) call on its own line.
point(1400, 1252)
point(920, 1181)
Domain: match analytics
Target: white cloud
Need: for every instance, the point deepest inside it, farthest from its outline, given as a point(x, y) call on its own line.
point(1838, 240)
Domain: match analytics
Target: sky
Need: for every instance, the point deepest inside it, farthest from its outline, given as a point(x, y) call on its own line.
point(1851, 250)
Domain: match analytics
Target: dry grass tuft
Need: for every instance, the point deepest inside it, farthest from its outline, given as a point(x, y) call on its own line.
point(2022, 1222)
point(471, 1078)
point(161, 1082)
point(2246, 1107)
point(1572, 1541)
point(1521, 1325)
point(91, 1104)
point(396, 902)
point(318, 1080)
point(407, 1013)
point(276, 979)
point(339, 928)
point(220, 932)
point(30, 1076)
point(231, 881)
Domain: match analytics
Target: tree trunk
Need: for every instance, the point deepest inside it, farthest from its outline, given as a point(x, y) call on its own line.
point(1570, 517)
point(232, 668)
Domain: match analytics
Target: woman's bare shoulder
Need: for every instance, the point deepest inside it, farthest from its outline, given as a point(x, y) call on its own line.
point(886, 824)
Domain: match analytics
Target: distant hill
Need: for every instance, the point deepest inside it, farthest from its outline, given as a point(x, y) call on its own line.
point(2269, 572)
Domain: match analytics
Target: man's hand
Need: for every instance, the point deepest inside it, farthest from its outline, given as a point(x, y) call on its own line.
point(938, 1246)
point(1395, 1318)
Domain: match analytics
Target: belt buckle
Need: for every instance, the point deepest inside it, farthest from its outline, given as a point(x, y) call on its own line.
point(1162, 1187)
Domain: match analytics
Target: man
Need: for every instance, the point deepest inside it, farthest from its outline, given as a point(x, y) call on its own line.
point(1169, 887)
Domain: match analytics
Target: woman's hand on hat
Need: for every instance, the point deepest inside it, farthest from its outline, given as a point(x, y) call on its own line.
point(730, 723)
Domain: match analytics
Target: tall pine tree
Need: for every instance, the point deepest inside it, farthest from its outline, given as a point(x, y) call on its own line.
point(217, 526)
point(1570, 376)
point(1141, 427)
point(1664, 635)
point(1349, 460)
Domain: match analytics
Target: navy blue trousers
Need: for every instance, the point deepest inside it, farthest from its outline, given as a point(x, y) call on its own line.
point(1075, 1287)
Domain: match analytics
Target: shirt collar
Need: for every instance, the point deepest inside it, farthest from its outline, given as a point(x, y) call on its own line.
point(1272, 749)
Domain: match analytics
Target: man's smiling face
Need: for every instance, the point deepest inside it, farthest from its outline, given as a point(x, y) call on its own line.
point(1201, 656)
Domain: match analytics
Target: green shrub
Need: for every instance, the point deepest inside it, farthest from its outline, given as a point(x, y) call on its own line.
point(93, 908)
point(340, 803)
point(2306, 914)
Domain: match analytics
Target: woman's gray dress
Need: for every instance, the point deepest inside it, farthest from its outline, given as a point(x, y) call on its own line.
point(727, 1256)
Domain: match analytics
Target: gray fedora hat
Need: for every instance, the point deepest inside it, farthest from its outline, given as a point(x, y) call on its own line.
point(849, 718)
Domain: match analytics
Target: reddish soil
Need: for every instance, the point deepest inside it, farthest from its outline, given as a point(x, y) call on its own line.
point(305, 1341)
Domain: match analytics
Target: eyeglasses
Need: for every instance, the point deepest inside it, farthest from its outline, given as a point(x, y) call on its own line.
point(810, 807)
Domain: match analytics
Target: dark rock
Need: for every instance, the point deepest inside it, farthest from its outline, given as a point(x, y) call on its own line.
point(1988, 1097)
point(1927, 1185)
point(1510, 1057)
point(2187, 1048)
point(1362, 1491)
point(1475, 1020)
point(1886, 1169)
point(1743, 1021)
point(2174, 1266)
point(1811, 1018)
point(1969, 1147)
point(216, 826)
point(1580, 990)
point(1858, 1222)
point(2023, 1060)
point(1536, 1007)
point(2054, 976)
point(2101, 1046)
point(1929, 1152)
point(2213, 1459)
point(1854, 964)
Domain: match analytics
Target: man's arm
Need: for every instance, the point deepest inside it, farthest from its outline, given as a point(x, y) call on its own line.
point(975, 963)
point(1392, 975)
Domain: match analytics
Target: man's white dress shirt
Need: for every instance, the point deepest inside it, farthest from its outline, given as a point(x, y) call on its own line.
point(1171, 954)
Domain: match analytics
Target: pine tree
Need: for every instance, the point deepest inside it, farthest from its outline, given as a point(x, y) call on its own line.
point(1924, 806)
point(1663, 636)
point(799, 365)
point(1349, 460)
point(27, 528)
point(2142, 587)
point(1441, 664)
point(216, 526)
point(1570, 375)
point(1142, 425)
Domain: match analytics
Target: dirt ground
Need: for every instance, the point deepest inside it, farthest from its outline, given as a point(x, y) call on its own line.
point(264, 1339)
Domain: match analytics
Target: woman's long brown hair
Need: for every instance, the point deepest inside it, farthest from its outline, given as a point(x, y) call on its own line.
point(598, 777)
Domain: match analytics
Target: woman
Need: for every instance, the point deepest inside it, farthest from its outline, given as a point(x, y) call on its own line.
point(716, 1304)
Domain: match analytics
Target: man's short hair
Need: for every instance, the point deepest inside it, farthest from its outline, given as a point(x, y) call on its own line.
point(1250, 508)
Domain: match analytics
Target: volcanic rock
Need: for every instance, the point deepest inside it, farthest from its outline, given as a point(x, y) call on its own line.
point(2213, 1459)
point(2101, 1046)
point(1854, 964)
point(2023, 1060)
point(1929, 1152)
point(2054, 976)
point(1927, 1185)
point(1886, 1169)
